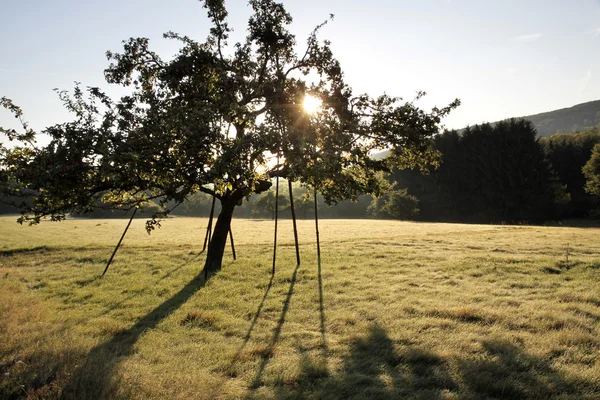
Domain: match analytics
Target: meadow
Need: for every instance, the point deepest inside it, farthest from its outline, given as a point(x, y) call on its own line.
point(393, 310)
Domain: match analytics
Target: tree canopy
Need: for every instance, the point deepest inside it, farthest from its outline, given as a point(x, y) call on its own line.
point(489, 173)
point(591, 170)
point(217, 118)
point(396, 204)
point(568, 153)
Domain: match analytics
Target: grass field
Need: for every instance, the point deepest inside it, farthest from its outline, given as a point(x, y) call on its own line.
point(395, 310)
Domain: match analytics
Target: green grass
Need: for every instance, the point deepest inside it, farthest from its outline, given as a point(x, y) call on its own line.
point(396, 310)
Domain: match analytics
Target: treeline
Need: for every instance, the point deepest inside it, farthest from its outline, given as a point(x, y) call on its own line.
point(568, 153)
point(258, 206)
point(503, 173)
point(263, 205)
point(496, 173)
point(500, 173)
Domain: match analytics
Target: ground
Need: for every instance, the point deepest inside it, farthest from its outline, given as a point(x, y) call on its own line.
point(395, 310)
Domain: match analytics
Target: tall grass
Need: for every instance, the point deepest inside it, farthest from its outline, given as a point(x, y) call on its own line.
point(395, 310)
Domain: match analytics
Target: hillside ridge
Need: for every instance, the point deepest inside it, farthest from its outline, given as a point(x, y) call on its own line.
point(577, 118)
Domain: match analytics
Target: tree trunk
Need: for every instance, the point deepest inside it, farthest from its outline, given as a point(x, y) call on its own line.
point(218, 241)
point(216, 247)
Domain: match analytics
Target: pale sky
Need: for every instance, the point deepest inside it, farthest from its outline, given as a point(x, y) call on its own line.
point(501, 58)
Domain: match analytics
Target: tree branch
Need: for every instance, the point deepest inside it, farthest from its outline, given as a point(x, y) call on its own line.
point(210, 191)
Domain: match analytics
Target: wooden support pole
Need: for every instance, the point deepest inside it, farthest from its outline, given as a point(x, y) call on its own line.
point(276, 217)
point(317, 228)
point(209, 233)
point(119, 244)
point(294, 221)
point(232, 245)
point(209, 227)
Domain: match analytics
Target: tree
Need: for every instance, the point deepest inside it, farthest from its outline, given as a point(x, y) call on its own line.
point(508, 178)
point(197, 204)
point(219, 119)
point(491, 173)
point(396, 204)
point(265, 204)
point(304, 204)
point(568, 153)
point(591, 170)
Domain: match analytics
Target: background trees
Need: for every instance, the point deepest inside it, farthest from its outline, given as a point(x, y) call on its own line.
point(395, 204)
point(591, 170)
point(488, 173)
point(264, 205)
point(568, 153)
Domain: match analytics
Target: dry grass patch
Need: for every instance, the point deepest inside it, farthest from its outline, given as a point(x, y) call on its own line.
point(200, 319)
point(395, 310)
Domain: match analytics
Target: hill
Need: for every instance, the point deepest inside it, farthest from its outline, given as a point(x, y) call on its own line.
point(580, 117)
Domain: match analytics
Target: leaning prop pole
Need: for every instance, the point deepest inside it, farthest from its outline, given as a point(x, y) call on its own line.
point(317, 229)
point(232, 245)
point(209, 233)
point(119, 244)
point(209, 227)
point(276, 217)
point(294, 221)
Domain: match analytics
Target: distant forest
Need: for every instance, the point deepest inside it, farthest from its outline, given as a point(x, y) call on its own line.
point(498, 173)
point(501, 173)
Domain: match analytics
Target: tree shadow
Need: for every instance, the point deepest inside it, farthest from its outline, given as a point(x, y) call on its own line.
point(324, 348)
point(508, 372)
point(97, 377)
point(119, 304)
point(267, 354)
point(253, 323)
point(311, 369)
point(376, 367)
point(26, 251)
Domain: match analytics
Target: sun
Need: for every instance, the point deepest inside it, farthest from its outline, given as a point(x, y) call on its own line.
point(311, 104)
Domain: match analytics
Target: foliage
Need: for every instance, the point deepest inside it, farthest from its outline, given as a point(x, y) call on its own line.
point(197, 205)
point(488, 173)
point(145, 210)
point(265, 204)
point(591, 170)
point(396, 204)
point(567, 154)
point(209, 120)
point(305, 204)
point(192, 121)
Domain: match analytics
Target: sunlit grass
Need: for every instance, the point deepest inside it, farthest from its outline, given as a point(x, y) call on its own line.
point(398, 310)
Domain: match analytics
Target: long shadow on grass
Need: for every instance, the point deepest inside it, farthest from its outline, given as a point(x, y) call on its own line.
point(321, 310)
point(119, 304)
point(267, 354)
point(26, 250)
point(96, 379)
point(508, 372)
point(253, 323)
point(376, 367)
point(373, 369)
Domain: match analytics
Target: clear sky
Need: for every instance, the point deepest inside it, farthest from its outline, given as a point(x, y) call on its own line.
point(501, 58)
